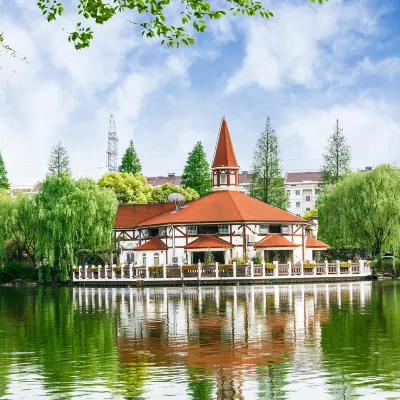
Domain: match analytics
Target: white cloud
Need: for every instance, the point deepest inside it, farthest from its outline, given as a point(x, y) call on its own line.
point(289, 48)
point(371, 127)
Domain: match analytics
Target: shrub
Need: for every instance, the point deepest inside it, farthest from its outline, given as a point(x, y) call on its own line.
point(15, 270)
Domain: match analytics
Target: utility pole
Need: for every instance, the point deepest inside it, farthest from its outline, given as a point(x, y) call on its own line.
point(112, 150)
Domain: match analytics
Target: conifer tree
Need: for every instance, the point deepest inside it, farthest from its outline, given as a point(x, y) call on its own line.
point(336, 160)
point(4, 184)
point(267, 182)
point(59, 161)
point(130, 160)
point(196, 174)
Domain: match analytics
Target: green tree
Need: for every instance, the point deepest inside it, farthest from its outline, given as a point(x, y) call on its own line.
point(4, 184)
point(267, 183)
point(310, 214)
point(75, 215)
point(130, 161)
point(196, 174)
point(59, 161)
point(128, 187)
point(336, 160)
point(154, 18)
point(363, 210)
point(160, 195)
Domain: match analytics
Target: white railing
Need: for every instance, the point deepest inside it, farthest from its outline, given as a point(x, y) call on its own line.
point(130, 272)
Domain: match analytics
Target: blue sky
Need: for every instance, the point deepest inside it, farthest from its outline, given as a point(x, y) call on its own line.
point(304, 68)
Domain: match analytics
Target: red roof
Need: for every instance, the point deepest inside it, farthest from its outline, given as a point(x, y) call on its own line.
point(152, 244)
point(275, 241)
point(313, 243)
point(208, 241)
point(292, 177)
point(161, 180)
point(221, 207)
point(224, 154)
point(130, 215)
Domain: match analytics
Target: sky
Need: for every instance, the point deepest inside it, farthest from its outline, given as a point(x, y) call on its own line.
point(306, 67)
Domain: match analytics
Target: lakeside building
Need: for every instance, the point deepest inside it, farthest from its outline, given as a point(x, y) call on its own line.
point(26, 189)
point(231, 224)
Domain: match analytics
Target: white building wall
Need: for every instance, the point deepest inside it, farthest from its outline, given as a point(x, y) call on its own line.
point(302, 196)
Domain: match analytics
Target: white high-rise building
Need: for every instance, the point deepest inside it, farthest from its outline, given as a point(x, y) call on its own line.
point(302, 189)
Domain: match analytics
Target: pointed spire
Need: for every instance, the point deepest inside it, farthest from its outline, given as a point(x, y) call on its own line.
point(224, 154)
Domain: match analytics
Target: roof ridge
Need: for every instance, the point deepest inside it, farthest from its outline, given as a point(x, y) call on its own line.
point(236, 206)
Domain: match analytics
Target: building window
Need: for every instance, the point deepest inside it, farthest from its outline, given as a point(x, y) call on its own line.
point(144, 258)
point(308, 209)
point(292, 185)
point(130, 258)
point(215, 180)
point(191, 230)
point(316, 192)
point(264, 228)
point(232, 179)
point(308, 198)
point(297, 192)
point(222, 179)
point(223, 229)
point(288, 204)
point(156, 259)
point(162, 231)
point(275, 229)
point(297, 204)
point(288, 192)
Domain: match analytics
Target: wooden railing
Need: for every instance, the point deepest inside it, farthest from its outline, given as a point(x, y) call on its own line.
point(217, 271)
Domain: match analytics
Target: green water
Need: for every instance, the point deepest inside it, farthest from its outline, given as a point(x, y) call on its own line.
point(335, 341)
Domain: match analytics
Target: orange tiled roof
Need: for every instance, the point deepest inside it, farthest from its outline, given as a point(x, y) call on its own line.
point(313, 243)
point(130, 215)
point(208, 241)
point(224, 153)
point(275, 241)
point(152, 244)
point(221, 207)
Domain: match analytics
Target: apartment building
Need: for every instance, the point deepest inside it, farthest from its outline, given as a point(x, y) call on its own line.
point(302, 189)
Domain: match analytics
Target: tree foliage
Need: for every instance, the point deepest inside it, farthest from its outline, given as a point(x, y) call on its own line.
point(134, 189)
point(310, 214)
point(160, 195)
point(4, 183)
point(196, 174)
point(128, 187)
point(154, 18)
point(336, 160)
point(130, 161)
point(53, 226)
point(363, 210)
point(267, 183)
point(59, 161)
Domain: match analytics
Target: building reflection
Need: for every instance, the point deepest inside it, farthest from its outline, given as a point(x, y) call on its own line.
point(221, 335)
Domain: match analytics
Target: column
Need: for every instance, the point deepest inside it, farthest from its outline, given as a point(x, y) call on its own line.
point(263, 269)
point(164, 268)
point(338, 267)
point(216, 270)
point(289, 264)
point(234, 269)
point(85, 272)
point(130, 268)
point(301, 268)
point(276, 270)
point(315, 270)
point(251, 269)
point(99, 272)
point(113, 272)
point(326, 267)
point(361, 267)
point(147, 271)
point(350, 268)
point(199, 270)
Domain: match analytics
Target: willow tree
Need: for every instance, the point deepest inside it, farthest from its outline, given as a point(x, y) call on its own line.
point(75, 215)
point(363, 210)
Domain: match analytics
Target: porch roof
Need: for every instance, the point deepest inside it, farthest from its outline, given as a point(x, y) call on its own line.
point(313, 243)
point(152, 244)
point(208, 241)
point(275, 240)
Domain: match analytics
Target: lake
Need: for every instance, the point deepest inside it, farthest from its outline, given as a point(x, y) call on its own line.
point(325, 341)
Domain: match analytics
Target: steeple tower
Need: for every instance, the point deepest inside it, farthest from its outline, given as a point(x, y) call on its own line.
point(225, 169)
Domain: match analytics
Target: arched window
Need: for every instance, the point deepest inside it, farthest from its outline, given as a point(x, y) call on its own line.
point(232, 179)
point(222, 179)
point(156, 259)
point(144, 259)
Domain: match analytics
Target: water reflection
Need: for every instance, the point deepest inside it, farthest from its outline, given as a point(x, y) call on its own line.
point(242, 342)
